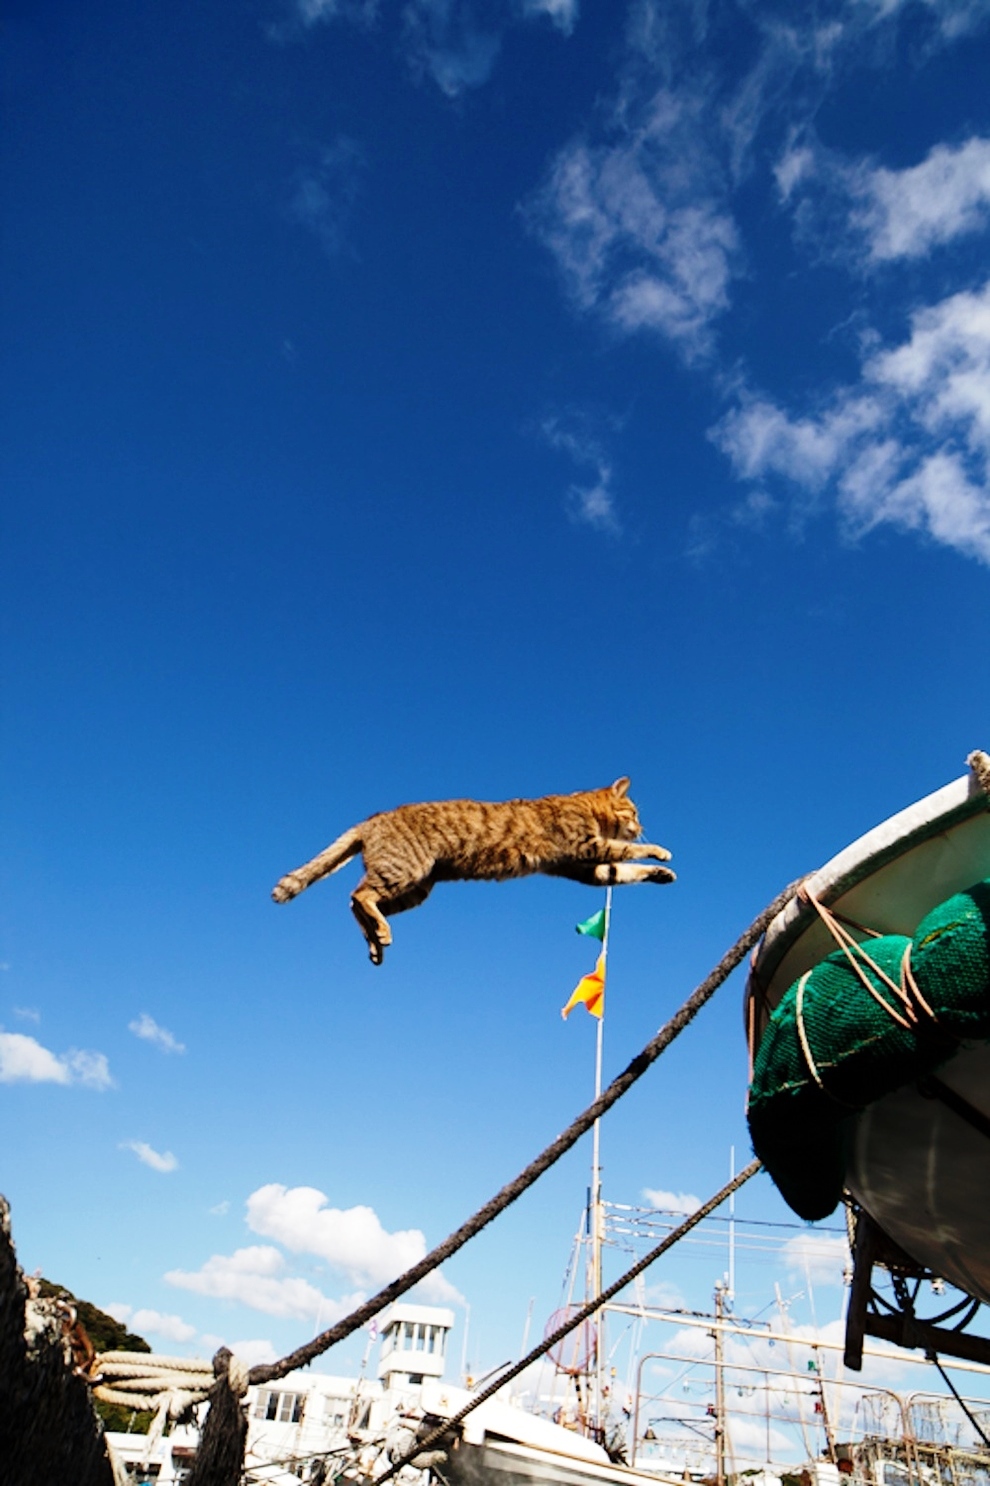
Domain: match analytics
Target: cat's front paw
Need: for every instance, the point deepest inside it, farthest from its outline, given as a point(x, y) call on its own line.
point(660, 852)
point(376, 952)
point(661, 874)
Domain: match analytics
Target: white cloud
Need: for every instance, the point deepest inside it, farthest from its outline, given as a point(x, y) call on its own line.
point(905, 213)
point(591, 501)
point(672, 1202)
point(254, 1277)
point(24, 1060)
point(147, 1028)
point(954, 18)
point(172, 1327)
point(164, 1161)
point(640, 228)
point(26, 1013)
point(90, 1069)
point(866, 210)
point(324, 193)
point(120, 1311)
point(563, 13)
point(250, 1352)
point(220, 1209)
point(908, 447)
point(445, 40)
point(352, 1239)
point(312, 12)
point(818, 1258)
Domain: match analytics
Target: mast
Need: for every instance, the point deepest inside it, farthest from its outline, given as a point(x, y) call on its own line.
point(597, 1214)
point(720, 1290)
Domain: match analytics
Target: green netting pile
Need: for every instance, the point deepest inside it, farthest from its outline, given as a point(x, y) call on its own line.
point(801, 1132)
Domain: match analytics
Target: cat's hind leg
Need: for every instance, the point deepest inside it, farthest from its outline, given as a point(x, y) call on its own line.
point(401, 902)
point(364, 906)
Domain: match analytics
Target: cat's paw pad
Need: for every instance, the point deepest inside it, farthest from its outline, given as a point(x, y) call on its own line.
point(661, 874)
point(376, 953)
point(287, 887)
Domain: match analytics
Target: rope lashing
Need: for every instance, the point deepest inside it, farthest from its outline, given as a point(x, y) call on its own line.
point(573, 1322)
point(858, 957)
point(906, 989)
point(269, 1371)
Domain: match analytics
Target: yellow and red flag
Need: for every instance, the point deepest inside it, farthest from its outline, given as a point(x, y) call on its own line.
point(589, 991)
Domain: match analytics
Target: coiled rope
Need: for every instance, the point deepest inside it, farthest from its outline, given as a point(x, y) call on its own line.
point(169, 1386)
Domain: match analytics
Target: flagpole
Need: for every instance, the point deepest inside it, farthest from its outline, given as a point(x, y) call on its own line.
point(596, 1183)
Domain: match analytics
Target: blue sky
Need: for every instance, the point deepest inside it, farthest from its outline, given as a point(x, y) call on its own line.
point(452, 398)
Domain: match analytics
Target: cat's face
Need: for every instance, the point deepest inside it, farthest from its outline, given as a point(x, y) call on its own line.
point(624, 813)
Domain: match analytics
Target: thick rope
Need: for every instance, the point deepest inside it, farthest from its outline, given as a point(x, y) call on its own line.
point(576, 1320)
point(168, 1386)
point(269, 1371)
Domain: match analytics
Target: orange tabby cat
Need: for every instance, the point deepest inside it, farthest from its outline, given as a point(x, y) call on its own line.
point(590, 836)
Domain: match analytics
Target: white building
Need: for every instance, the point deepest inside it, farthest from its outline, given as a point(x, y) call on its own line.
point(414, 1344)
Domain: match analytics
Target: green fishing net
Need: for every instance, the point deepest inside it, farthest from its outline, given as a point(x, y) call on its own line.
point(800, 1126)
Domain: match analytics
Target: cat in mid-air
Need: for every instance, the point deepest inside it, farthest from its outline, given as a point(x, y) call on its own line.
point(590, 836)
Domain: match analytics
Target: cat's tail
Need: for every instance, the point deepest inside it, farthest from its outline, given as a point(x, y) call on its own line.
point(337, 853)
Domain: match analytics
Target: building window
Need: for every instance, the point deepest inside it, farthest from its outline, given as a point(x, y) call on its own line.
point(283, 1408)
point(335, 1411)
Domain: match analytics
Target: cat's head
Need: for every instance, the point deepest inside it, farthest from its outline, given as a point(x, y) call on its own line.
point(622, 815)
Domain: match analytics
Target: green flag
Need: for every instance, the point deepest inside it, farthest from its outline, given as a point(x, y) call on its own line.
point(595, 925)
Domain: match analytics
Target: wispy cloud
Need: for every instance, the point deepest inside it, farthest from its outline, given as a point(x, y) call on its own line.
point(592, 500)
point(563, 13)
point(299, 16)
point(325, 191)
point(819, 1258)
point(26, 1013)
point(446, 40)
point(953, 18)
point(158, 1161)
point(866, 213)
point(155, 1322)
point(908, 446)
point(255, 1277)
point(313, 11)
point(672, 1202)
point(24, 1060)
point(640, 227)
point(905, 213)
point(249, 1351)
point(147, 1028)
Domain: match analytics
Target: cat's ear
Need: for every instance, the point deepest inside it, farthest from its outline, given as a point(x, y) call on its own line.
point(621, 786)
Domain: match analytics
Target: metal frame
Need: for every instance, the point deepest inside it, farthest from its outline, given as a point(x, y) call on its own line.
point(872, 1314)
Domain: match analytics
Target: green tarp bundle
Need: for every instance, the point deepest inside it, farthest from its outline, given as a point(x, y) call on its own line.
point(801, 1131)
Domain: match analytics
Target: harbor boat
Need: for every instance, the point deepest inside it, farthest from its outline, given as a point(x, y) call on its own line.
point(910, 1141)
